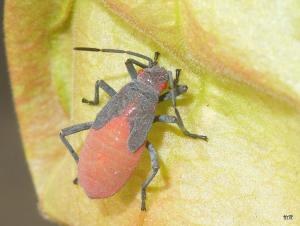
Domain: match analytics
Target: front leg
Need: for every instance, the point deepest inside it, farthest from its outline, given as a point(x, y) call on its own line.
point(178, 121)
point(180, 89)
point(130, 68)
point(131, 62)
point(177, 89)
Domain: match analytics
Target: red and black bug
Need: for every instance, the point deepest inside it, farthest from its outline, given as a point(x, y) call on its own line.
point(118, 135)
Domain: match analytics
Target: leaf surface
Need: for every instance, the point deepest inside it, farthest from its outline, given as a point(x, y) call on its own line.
point(240, 61)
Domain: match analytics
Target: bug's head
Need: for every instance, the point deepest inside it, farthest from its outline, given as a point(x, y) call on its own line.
point(155, 76)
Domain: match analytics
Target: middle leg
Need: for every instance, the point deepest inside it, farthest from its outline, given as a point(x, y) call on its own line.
point(103, 85)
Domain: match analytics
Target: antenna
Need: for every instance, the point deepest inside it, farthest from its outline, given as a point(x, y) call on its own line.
point(115, 51)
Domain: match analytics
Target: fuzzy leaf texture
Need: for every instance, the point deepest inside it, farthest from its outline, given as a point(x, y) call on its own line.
point(240, 60)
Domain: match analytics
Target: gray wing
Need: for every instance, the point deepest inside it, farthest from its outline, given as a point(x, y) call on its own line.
point(141, 123)
point(116, 105)
point(144, 100)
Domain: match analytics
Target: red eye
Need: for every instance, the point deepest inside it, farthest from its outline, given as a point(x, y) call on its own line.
point(163, 86)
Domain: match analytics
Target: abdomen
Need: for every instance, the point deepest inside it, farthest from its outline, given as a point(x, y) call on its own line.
point(105, 163)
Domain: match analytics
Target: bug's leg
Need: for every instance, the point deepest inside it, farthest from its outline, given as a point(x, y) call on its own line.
point(176, 80)
point(156, 55)
point(75, 181)
point(71, 130)
point(178, 121)
point(165, 118)
point(184, 130)
point(179, 89)
point(132, 71)
point(155, 168)
point(103, 85)
point(130, 68)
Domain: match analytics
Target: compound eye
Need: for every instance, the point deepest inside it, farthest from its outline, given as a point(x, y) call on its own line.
point(163, 86)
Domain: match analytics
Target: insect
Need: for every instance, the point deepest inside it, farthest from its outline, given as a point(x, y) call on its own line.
point(118, 135)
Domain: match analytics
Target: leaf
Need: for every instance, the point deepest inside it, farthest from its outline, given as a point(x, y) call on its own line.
point(240, 61)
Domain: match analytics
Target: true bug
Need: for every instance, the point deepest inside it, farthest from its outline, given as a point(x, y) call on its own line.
point(118, 135)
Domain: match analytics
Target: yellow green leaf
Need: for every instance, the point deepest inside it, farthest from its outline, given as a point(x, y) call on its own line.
point(240, 62)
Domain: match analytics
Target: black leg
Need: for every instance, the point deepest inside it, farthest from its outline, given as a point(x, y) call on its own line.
point(155, 168)
point(176, 80)
point(165, 118)
point(130, 68)
point(75, 181)
point(71, 130)
point(132, 71)
point(180, 89)
point(103, 85)
point(179, 121)
point(156, 55)
point(184, 130)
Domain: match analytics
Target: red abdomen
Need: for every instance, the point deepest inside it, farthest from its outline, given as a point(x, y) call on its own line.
point(105, 162)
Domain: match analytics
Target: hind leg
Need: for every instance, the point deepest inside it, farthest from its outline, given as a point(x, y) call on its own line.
point(155, 168)
point(71, 130)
